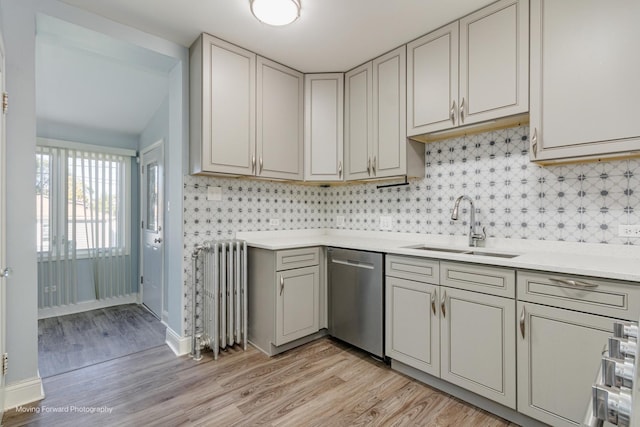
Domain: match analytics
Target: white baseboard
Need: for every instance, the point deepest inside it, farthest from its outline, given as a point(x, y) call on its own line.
point(44, 313)
point(179, 345)
point(23, 392)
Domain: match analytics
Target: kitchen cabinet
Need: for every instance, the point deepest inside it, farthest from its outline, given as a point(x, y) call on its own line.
point(375, 116)
point(279, 121)
point(470, 71)
point(564, 325)
point(584, 85)
point(286, 297)
point(323, 127)
point(477, 336)
point(246, 113)
point(462, 336)
point(222, 108)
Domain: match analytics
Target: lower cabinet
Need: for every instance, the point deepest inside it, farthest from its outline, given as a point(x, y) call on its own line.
point(297, 304)
point(412, 325)
point(559, 354)
point(287, 297)
point(466, 338)
point(477, 339)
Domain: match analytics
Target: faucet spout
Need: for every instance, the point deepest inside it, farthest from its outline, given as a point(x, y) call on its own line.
point(474, 236)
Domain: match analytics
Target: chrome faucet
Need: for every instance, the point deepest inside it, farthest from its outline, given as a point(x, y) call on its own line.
point(474, 237)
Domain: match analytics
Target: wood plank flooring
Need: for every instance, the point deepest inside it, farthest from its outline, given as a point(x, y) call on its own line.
point(324, 383)
point(82, 339)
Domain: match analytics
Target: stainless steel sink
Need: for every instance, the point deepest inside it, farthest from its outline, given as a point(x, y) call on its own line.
point(493, 254)
point(430, 248)
point(462, 251)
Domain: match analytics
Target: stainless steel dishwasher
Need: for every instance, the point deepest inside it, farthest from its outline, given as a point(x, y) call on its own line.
point(356, 298)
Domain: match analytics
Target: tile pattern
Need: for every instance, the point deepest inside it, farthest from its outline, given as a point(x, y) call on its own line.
point(513, 198)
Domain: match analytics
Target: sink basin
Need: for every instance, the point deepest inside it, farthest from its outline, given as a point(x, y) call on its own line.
point(429, 248)
point(493, 254)
point(462, 251)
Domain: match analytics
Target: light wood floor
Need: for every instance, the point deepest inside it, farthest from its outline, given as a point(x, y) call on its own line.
point(82, 339)
point(323, 383)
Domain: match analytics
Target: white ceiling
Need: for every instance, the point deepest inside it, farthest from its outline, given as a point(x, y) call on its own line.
point(330, 35)
point(88, 80)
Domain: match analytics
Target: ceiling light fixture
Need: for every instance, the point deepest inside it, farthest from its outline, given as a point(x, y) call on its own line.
point(276, 12)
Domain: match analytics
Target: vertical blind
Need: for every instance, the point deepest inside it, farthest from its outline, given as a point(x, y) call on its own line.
point(83, 219)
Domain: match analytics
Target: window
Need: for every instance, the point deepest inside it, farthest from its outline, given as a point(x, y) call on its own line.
point(82, 200)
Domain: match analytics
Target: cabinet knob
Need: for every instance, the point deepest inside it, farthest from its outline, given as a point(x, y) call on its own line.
point(534, 142)
point(253, 163)
point(462, 111)
point(261, 165)
point(433, 302)
point(281, 284)
point(522, 317)
point(373, 166)
point(369, 166)
point(340, 169)
point(443, 303)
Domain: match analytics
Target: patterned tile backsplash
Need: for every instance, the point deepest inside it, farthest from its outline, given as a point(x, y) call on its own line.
point(513, 198)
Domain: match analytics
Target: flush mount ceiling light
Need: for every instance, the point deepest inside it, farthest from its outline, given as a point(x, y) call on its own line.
point(276, 12)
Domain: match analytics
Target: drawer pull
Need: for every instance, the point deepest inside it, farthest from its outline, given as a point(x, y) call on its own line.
point(573, 283)
point(522, 316)
point(281, 284)
point(433, 303)
point(442, 304)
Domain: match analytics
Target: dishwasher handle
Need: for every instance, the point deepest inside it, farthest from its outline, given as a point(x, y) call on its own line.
point(351, 263)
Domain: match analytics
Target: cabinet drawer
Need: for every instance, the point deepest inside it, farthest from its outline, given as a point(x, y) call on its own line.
point(599, 296)
point(480, 278)
point(297, 258)
point(411, 268)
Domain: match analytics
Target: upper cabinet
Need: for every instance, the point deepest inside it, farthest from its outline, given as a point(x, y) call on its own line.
point(323, 127)
point(473, 70)
point(246, 114)
point(584, 83)
point(222, 107)
point(280, 121)
point(375, 117)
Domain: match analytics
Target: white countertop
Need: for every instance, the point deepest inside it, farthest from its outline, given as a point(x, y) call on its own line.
point(619, 262)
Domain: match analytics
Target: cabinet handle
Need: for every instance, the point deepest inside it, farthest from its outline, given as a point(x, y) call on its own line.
point(253, 163)
point(433, 302)
point(522, 315)
point(573, 283)
point(340, 169)
point(281, 284)
point(534, 142)
point(373, 167)
point(462, 111)
point(442, 304)
point(452, 113)
point(369, 166)
point(260, 166)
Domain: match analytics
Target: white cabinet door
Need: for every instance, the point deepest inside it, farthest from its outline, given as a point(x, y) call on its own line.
point(297, 303)
point(432, 81)
point(412, 325)
point(323, 127)
point(478, 349)
point(223, 79)
point(584, 79)
point(358, 122)
point(494, 62)
point(559, 355)
point(389, 145)
point(280, 121)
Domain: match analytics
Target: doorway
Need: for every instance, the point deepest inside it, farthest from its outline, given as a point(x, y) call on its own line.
point(152, 239)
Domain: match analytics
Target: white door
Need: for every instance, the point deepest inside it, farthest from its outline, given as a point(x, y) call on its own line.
point(151, 215)
point(3, 243)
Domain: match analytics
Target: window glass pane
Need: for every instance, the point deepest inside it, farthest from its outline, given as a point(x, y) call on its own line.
point(152, 197)
point(43, 183)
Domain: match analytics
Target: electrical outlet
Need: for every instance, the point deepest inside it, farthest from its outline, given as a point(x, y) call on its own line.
point(386, 223)
point(628, 230)
point(339, 221)
point(274, 221)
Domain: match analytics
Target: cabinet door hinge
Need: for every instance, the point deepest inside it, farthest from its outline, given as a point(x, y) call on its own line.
point(5, 363)
point(5, 102)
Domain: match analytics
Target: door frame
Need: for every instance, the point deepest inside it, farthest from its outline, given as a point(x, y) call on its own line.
point(143, 152)
point(3, 226)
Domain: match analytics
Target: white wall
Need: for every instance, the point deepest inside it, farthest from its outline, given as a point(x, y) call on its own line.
point(18, 23)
